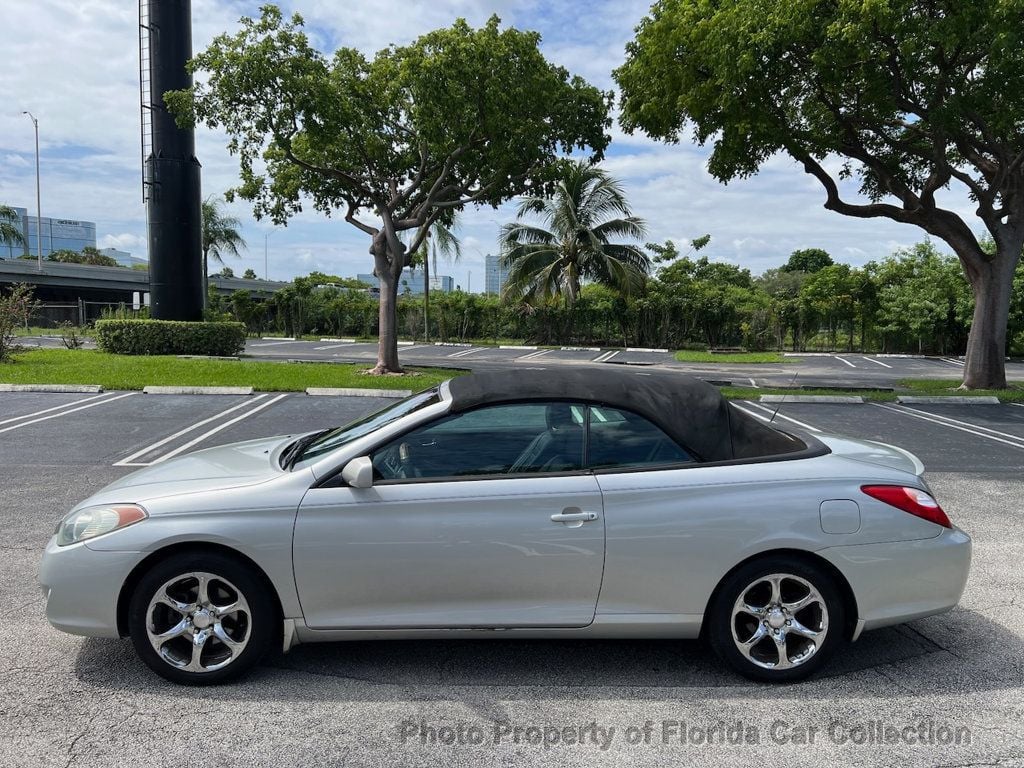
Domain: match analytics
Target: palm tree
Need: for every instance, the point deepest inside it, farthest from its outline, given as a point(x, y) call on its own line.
point(10, 229)
point(442, 241)
point(572, 240)
point(220, 237)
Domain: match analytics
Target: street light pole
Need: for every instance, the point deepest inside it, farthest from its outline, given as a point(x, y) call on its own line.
point(39, 204)
point(266, 252)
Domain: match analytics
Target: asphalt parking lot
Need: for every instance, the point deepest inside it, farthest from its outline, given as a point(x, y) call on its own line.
point(803, 369)
point(69, 701)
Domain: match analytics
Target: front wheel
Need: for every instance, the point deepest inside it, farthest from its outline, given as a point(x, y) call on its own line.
point(201, 618)
point(777, 620)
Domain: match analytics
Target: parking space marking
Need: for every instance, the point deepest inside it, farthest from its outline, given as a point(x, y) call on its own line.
point(467, 352)
point(951, 361)
point(877, 362)
point(844, 360)
point(128, 461)
point(754, 384)
point(275, 343)
point(1015, 443)
point(333, 346)
point(534, 355)
point(209, 433)
point(775, 414)
point(964, 423)
point(66, 412)
point(54, 408)
point(604, 358)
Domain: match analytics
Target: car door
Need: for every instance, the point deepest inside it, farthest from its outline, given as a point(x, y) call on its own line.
point(481, 519)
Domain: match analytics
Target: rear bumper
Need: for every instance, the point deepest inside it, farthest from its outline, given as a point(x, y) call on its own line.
point(81, 587)
point(898, 581)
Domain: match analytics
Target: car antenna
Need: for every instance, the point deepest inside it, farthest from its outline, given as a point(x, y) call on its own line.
point(783, 398)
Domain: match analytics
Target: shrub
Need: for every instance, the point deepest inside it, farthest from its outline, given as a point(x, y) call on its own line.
point(15, 309)
point(169, 337)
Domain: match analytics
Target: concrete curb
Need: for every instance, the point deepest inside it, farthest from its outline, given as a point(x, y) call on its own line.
point(341, 341)
point(947, 400)
point(645, 349)
point(580, 349)
point(517, 346)
point(355, 392)
point(72, 389)
point(197, 390)
point(276, 338)
point(811, 399)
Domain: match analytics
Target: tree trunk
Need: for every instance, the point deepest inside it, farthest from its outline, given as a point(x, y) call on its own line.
point(426, 298)
point(387, 335)
point(992, 284)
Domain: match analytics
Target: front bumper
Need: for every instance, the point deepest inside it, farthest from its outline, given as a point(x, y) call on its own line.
point(898, 581)
point(82, 585)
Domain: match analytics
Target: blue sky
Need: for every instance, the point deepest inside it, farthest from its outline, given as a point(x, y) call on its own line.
point(75, 66)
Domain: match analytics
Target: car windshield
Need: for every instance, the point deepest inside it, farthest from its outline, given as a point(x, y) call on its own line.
point(338, 437)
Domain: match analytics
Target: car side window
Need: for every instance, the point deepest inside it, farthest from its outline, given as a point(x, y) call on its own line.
point(622, 439)
point(512, 439)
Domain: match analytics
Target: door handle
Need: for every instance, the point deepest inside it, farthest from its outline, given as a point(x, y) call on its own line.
point(574, 517)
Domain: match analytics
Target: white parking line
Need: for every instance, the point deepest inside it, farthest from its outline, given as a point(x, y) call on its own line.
point(66, 412)
point(754, 384)
point(208, 433)
point(844, 360)
point(334, 346)
point(534, 355)
point(1017, 442)
point(275, 343)
point(965, 423)
point(877, 362)
point(604, 358)
point(775, 414)
point(950, 361)
point(54, 408)
point(467, 352)
point(127, 461)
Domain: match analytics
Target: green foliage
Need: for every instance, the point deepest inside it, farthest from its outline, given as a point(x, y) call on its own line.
point(249, 274)
point(168, 337)
point(88, 255)
point(808, 260)
point(16, 307)
point(574, 239)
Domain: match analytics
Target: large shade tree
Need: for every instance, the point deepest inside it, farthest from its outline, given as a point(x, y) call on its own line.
point(394, 142)
point(573, 235)
point(912, 96)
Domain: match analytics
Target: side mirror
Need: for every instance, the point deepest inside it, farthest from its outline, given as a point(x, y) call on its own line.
point(358, 473)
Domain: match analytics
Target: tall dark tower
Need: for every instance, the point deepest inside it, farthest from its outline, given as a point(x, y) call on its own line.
point(170, 170)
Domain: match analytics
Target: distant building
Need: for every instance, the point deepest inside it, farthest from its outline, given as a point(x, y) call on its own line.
point(123, 258)
point(412, 281)
point(57, 235)
point(496, 274)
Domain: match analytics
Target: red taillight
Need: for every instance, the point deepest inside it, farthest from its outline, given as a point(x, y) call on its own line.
point(912, 500)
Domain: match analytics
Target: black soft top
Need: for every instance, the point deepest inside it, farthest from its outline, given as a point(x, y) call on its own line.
point(692, 412)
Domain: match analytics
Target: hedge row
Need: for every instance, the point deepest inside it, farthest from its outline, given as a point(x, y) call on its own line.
point(169, 337)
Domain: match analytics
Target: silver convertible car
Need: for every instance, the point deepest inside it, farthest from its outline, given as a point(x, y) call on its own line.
point(568, 502)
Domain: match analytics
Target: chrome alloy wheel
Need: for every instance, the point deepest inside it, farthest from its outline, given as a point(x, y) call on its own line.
point(779, 621)
point(198, 622)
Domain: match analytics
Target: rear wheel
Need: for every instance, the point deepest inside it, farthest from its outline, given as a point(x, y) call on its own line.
point(201, 618)
point(777, 619)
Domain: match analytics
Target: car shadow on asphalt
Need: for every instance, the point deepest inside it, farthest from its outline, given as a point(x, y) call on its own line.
point(906, 660)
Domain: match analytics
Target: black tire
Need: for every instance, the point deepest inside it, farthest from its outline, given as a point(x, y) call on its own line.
point(259, 627)
point(724, 632)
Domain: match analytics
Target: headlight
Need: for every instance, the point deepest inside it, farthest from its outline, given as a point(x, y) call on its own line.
point(91, 522)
